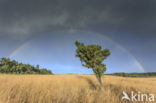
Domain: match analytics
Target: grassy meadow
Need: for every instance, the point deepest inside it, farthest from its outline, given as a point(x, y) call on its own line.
point(70, 88)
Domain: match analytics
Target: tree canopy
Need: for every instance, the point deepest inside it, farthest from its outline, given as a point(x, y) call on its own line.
point(92, 56)
point(12, 66)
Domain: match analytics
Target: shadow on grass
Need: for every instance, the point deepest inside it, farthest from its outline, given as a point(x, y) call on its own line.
point(90, 82)
point(95, 86)
point(114, 88)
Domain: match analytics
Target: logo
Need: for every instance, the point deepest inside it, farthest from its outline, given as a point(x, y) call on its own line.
point(140, 97)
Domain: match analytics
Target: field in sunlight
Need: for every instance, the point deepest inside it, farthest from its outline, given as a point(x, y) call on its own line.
point(70, 88)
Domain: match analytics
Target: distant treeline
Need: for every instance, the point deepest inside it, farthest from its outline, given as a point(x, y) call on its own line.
point(13, 67)
point(151, 74)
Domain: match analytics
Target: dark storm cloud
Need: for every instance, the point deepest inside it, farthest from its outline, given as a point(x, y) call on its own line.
point(24, 18)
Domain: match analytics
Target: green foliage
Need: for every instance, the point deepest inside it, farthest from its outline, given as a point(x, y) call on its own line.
point(135, 74)
point(92, 56)
point(13, 67)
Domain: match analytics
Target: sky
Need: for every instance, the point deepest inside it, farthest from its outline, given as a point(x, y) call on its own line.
point(47, 29)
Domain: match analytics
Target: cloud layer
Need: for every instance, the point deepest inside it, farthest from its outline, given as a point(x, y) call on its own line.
point(26, 18)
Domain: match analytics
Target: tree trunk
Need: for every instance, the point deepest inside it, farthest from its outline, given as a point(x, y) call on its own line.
point(100, 81)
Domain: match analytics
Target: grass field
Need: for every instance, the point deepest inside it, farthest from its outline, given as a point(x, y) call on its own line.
point(70, 88)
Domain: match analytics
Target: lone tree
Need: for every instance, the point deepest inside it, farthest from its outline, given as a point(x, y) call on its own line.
point(92, 56)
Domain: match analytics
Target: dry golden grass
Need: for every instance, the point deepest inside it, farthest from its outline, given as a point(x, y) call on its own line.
point(69, 88)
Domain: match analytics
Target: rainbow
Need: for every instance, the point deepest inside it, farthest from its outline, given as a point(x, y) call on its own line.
point(119, 45)
point(18, 48)
point(136, 61)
